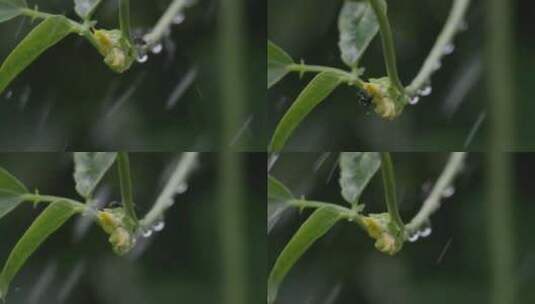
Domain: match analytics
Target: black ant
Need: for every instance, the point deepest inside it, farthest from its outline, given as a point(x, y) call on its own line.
point(364, 98)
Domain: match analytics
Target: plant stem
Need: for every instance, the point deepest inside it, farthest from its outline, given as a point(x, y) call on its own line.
point(451, 27)
point(347, 77)
point(389, 51)
point(389, 181)
point(184, 166)
point(34, 14)
point(432, 203)
point(124, 19)
point(35, 198)
point(126, 184)
point(345, 213)
point(500, 83)
point(176, 8)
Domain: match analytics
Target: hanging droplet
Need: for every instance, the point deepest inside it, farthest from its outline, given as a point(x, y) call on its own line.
point(448, 192)
point(158, 226)
point(425, 91)
point(425, 232)
point(142, 58)
point(179, 18)
point(413, 237)
point(182, 188)
point(414, 100)
point(147, 233)
point(448, 49)
point(9, 94)
point(157, 49)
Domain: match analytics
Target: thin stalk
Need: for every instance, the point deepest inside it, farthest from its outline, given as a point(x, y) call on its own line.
point(184, 166)
point(389, 181)
point(126, 184)
point(232, 77)
point(157, 33)
point(124, 18)
point(34, 14)
point(345, 213)
point(451, 27)
point(389, 51)
point(500, 94)
point(38, 198)
point(347, 77)
point(445, 180)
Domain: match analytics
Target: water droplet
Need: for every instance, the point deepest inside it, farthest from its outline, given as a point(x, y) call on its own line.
point(414, 100)
point(425, 232)
point(413, 237)
point(448, 192)
point(448, 49)
point(141, 58)
point(9, 94)
point(157, 49)
point(179, 18)
point(147, 233)
point(182, 188)
point(425, 91)
point(159, 226)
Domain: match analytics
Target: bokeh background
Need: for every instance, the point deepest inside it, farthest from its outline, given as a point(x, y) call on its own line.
point(181, 264)
point(69, 100)
point(452, 265)
point(439, 122)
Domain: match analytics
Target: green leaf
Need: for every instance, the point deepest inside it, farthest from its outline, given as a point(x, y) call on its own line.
point(278, 191)
point(85, 8)
point(10, 190)
point(11, 8)
point(278, 62)
point(89, 168)
point(356, 171)
point(42, 37)
point(315, 92)
point(358, 25)
point(50, 220)
point(319, 223)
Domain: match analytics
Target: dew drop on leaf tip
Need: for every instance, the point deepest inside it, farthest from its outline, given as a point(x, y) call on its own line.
point(414, 100)
point(142, 58)
point(181, 188)
point(425, 91)
point(448, 192)
point(147, 233)
point(179, 18)
point(157, 49)
point(413, 237)
point(425, 232)
point(159, 226)
point(448, 49)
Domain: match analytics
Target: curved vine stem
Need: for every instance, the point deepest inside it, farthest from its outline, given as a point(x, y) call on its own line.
point(126, 184)
point(389, 51)
point(188, 161)
point(451, 27)
point(124, 18)
point(301, 68)
point(432, 203)
point(389, 182)
point(174, 9)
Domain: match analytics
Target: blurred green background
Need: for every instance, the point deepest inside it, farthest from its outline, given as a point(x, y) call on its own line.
point(181, 264)
point(452, 265)
point(442, 121)
point(69, 100)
